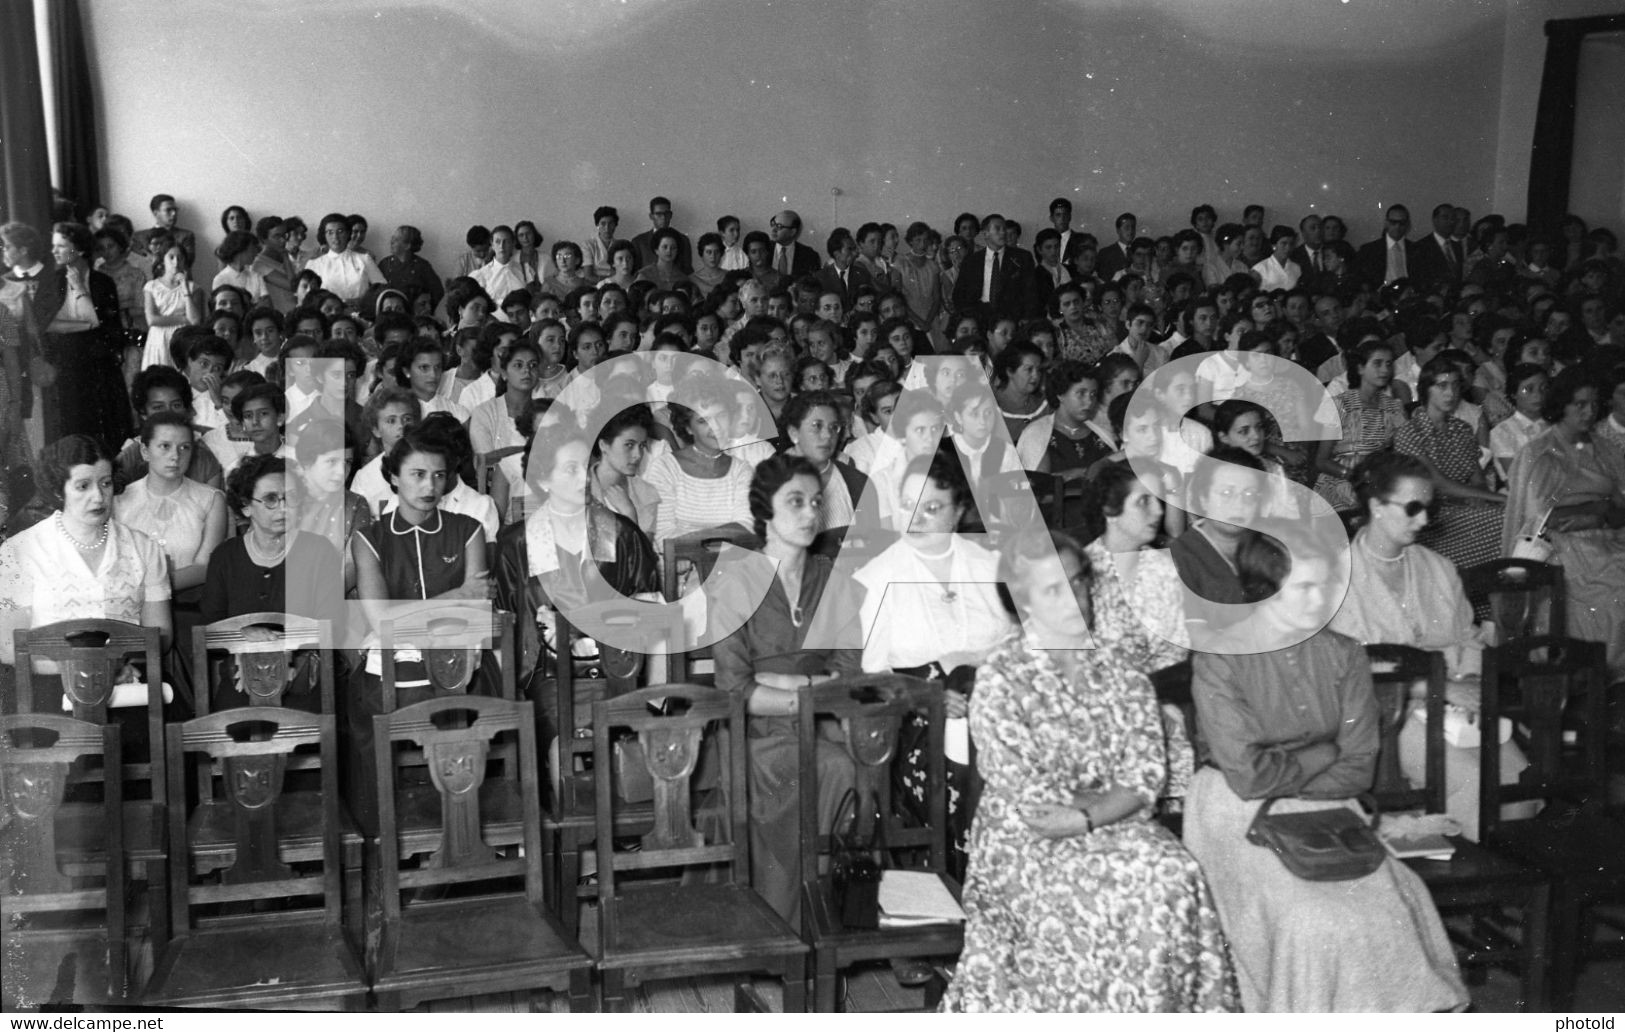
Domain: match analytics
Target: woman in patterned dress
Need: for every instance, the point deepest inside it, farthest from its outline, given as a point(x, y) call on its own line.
point(1076, 899)
point(1370, 418)
point(1467, 527)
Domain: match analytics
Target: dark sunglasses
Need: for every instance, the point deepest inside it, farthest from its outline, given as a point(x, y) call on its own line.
point(1412, 509)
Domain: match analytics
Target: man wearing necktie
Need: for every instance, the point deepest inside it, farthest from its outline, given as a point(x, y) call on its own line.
point(790, 256)
point(996, 278)
point(1439, 258)
point(1387, 258)
point(843, 275)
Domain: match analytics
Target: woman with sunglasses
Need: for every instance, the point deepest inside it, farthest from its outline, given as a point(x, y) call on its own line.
point(1467, 527)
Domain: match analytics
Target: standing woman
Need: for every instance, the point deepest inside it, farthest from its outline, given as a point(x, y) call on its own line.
point(171, 300)
point(82, 344)
point(767, 661)
point(1076, 899)
point(1286, 711)
point(235, 220)
point(919, 278)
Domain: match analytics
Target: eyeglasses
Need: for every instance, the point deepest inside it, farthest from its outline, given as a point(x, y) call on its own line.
point(933, 508)
point(1412, 509)
point(1230, 494)
point(274, 501)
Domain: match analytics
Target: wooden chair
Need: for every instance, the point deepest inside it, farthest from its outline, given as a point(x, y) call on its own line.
point(269, 946)
point(54, 951)
point(496, 940)
point(264, 669)
point(454, 639)
point(89, 655)
point(263, 672)
point(871, 710)
point(1477, 888)
point(1521, 597)
point(1552, 689)
point(658, 927)
point(485, 463)
point(569, 823)
point(701, 550)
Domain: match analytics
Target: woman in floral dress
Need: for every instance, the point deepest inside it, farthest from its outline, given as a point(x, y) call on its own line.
point(1076, 900)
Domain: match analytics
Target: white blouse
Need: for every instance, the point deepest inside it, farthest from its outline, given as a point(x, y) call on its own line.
point(910, 619)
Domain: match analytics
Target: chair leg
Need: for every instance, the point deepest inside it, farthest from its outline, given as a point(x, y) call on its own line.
point(1565, 945)
point(582, 999)
point(613, 989)
point(1537, 949)
point(825, 982)
point(795, 985)
point(569, 878)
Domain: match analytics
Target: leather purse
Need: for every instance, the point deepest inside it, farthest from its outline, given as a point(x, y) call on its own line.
point(1335, 844)
point(854, 871)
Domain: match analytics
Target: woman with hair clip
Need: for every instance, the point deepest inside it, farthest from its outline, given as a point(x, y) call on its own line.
point(767, 660)
point(80, 368)
point(1076, 899)
point(1286, 712)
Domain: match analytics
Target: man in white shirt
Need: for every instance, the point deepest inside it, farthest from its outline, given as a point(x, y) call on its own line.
point(502, 275)
point(1140, 319)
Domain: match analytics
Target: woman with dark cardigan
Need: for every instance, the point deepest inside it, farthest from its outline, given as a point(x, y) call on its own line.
point(82, 344)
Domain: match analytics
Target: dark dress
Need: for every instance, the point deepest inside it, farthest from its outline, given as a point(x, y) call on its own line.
point(235, 586)
point(769, 641)
point(88, 396)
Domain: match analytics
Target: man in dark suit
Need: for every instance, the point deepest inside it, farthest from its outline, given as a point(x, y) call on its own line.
point(1114, 256)
point(1310, 242)
point(843, 275)
point(1388, 257)
point(790, 256)
point(164, 215)
point(1060, 219)
point(1439, 257)
point(996, 276)
point(660, 218)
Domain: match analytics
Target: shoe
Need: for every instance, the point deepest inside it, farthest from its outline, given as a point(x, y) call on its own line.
point(911, 972)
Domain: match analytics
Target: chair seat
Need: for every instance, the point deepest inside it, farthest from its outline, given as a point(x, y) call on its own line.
point(1587, 847)
point(69, 966)
point(458, 942)
point(667, 924)
point(823, 924)
point(271, 961)
point(1473, 866)
point(80, 832)
point(212, 831)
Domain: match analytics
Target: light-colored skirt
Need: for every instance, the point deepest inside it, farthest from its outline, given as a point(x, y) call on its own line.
point(1371, 944)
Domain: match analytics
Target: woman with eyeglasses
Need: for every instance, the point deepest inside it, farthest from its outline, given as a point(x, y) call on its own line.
point(1403, 593)
point(1287, 712)
point(1076, 899)
point(1225, 493)
point(269, 568)
point(1466, 529)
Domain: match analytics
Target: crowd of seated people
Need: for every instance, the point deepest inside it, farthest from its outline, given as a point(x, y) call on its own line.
point(860, 417)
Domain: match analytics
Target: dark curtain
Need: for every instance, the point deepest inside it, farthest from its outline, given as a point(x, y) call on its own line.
point(1551, 159)
point(77, 160)
point(23, 154)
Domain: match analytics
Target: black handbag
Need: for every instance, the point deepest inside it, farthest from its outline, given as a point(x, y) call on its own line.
point(1335, 844)
point(854, 871)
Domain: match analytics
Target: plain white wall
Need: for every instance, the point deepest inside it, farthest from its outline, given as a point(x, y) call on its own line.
point(495, 110)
